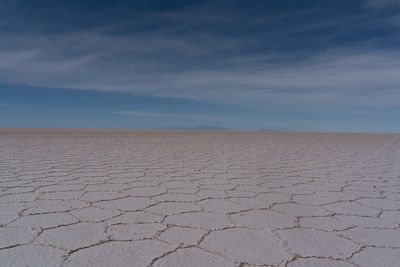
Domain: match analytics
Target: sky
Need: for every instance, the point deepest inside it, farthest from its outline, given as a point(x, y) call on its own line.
point(295, 65)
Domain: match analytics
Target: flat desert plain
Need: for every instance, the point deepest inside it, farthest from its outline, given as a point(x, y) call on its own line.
point(126, 198)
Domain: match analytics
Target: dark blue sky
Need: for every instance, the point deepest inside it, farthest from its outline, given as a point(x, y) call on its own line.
point(300, 65)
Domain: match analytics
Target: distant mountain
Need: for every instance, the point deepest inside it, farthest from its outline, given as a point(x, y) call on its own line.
point(194, 128)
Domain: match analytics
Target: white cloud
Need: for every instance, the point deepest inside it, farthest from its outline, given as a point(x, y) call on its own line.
point(189, 67)
point(15, 58)
point(382, 3)
point(340, 77)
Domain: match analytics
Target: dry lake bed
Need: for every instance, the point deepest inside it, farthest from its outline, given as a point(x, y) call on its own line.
point(125, 198)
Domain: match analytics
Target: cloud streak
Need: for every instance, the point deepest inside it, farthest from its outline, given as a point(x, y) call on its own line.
point(240, 56)
point(344, 77)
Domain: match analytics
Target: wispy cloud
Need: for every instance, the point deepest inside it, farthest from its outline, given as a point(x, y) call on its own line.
point(383, 3)
point(12, 105)
point(344, 77)
point(238, 56)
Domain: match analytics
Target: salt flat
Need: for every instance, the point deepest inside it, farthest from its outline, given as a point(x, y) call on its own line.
point(124, 198)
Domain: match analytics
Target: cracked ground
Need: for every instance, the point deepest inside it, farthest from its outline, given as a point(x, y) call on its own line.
point(120, 198)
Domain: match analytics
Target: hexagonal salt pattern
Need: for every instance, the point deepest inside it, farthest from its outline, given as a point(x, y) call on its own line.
point(121, 198)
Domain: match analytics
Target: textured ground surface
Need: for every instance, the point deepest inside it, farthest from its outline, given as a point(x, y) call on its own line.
point(70, 198)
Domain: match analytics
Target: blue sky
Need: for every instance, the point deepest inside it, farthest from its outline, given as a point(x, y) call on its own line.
point(300, 65)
